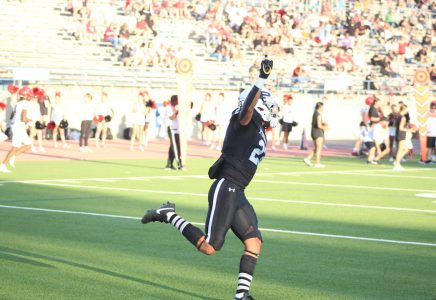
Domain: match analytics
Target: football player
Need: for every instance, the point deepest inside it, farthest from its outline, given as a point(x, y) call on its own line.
point(243, 149)
point(21, 141)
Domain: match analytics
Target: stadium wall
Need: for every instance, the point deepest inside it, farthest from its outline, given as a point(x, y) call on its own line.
point(342, 113)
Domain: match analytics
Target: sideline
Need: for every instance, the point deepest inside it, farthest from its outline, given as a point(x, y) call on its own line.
point(263, 229)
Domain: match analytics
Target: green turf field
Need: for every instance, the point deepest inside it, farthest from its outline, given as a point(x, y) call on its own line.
point(349, 231)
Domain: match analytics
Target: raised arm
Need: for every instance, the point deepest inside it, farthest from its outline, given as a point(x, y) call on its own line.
point(250, 102)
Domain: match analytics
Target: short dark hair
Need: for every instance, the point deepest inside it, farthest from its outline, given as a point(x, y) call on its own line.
point(174, 100)
point(318, 105)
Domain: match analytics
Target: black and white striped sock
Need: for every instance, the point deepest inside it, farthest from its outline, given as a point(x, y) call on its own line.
point(177, 221)
point(189, 231)
point(246, 271)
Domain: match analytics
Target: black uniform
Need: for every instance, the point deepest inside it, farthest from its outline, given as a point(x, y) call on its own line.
point(401, 135)
point(316, 131)
point(243, 149)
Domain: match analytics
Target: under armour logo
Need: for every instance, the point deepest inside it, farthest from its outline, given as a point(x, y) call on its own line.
point(232, 190)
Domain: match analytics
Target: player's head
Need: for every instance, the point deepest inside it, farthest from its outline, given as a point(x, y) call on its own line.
point(25, 93)
point(268, 109)
point(403, 109)
point(376, 102)
point(174, 100)
point(88, 97)
point(266, 106)
point(369, 100)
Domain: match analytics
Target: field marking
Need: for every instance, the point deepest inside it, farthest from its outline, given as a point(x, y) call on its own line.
point(203, 176)
point(104, 180)
point(108, 178)
point(426, 195)
point(387, 175)
point(322, 172)
point(71, 181)
point(113, 179)
point(343, 186)
point(202, 224)
point(251, 198)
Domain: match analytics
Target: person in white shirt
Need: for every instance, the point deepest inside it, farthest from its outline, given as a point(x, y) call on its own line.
point(172, 112)
point(207, 117)
point(149, 106)
point(287, 120)
point(138, 121)
point(431, 134)
point(37, 125)
point(58, 112)
point(87, 114)
point(222, 118)
point(377, 141)
point(105, 114)
point(363, 126)
point(21, 141)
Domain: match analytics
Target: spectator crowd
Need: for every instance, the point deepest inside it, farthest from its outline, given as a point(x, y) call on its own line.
point(380, 41)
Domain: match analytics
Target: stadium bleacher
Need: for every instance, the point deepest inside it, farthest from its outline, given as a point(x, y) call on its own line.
point(39, 36)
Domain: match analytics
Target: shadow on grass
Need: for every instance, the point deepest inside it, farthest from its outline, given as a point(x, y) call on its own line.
point(15, 253)
point(5, 255)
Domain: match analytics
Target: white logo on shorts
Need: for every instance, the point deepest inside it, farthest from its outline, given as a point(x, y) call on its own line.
point(232, 190)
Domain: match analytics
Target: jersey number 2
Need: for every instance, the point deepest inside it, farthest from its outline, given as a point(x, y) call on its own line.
point(258, 153)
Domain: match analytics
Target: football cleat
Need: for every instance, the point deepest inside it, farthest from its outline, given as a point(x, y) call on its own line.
point(159, 214)
point(245, 296)
point(307, 162)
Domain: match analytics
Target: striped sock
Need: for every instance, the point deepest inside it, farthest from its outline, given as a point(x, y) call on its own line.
point(189, 231)
point(246, 271)
point(177, 221)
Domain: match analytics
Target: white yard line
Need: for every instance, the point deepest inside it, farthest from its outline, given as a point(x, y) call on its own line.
point(163, 192)
point(324, 172)
point(203, 176)
point(259, 174)
point(104, 180)
point(263, 229)
point(114, 179)
point(347, 186)
point(426, 195)
point(107, 178)
point(71, 181)
point(386, 175)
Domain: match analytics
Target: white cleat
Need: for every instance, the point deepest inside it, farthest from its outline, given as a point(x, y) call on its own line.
point(4, 169)
point(398, 167)
point(308, 162)
point(319, 166)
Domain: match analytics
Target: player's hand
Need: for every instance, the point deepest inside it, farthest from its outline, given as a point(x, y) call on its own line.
point(265, 68)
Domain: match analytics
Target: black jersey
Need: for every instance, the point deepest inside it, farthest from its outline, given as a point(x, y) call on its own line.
point(243, 149)
point(401, 135)
point(316, 132)
point(393, 118)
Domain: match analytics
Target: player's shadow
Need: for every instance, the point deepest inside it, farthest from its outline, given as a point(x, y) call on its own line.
point(6, 255)
point(20, 253)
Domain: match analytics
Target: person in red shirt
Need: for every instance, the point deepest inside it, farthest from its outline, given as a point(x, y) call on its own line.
point(91, 30)
point(110, 35)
